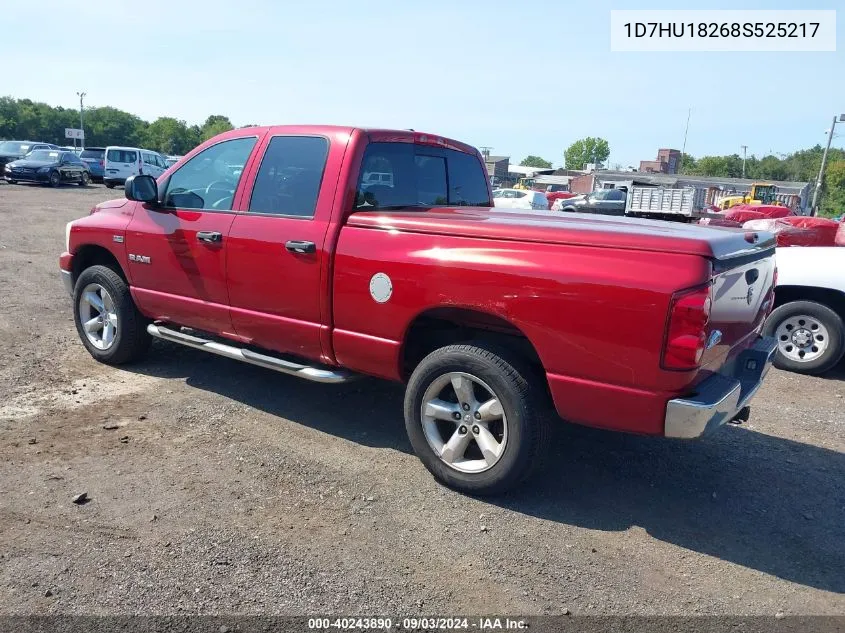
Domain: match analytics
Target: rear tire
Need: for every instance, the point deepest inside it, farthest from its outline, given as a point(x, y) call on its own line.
point(110, 185)
point(810, 336)
point(499, 435)
point(107, 321)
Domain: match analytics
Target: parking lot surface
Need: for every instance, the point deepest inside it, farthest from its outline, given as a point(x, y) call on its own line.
point(218, 487)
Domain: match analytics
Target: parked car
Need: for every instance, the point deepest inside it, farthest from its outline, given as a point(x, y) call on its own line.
point(171, 160)
point(554, 196)
point(807, 321)
point(122, 162)
point(48, 166)
point(95, 158)
point(492, 319)
point(520, 199)
point(13, 150)
point(603, 201)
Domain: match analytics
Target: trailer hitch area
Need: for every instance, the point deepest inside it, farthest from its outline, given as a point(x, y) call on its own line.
point(742, 415)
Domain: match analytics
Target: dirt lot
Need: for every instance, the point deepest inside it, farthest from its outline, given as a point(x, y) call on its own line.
point(229, 489)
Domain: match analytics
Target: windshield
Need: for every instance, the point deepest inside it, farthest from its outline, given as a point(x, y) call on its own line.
point(43, 155)
point(14, 147)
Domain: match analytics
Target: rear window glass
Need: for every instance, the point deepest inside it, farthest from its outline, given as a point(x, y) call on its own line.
point(93, 153)
point(122, 156)
point(408, 175)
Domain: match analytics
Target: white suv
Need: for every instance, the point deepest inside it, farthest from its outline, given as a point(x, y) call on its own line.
point(122, 162)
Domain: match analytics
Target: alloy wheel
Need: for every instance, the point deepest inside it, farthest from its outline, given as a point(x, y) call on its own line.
point(464, 422)
point(98, 316)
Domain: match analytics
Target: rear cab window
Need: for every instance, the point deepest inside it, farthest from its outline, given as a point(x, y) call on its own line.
point(397, 175)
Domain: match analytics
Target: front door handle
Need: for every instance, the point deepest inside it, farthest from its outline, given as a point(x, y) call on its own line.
point(212, 237)
point(299, 246)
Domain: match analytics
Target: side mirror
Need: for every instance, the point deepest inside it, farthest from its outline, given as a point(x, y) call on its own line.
point(141, 188)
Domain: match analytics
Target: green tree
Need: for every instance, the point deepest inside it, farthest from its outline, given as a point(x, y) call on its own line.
point(688, 164)
point(535, 161)
point(214, 125)
point(833, 191)
point(110, 126)
point(586, 150)
point(725, 166)
point(170, 136)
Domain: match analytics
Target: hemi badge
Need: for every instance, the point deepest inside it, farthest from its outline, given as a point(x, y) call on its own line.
point(117, 238)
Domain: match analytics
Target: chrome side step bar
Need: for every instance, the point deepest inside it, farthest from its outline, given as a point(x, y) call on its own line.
point(315, 374)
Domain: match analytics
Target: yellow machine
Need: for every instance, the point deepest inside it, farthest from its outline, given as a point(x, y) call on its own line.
point(524, 183)
point(761, 193)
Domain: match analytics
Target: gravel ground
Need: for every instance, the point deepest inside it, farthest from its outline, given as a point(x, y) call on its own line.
point(216, 487)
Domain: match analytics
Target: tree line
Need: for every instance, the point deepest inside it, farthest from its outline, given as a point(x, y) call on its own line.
point(24, 119)
point(800, 166)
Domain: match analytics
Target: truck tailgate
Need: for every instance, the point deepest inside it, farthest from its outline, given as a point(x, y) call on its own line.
point(742, 294)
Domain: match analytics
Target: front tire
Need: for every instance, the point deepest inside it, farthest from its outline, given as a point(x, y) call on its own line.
point(110, 185)
point(55, 179)
point(810, 336)
point(476, 418)
point(12, 182)
point(106, 318)
point(85, 179)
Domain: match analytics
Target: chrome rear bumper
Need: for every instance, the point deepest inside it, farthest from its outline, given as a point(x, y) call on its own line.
point(720, 397)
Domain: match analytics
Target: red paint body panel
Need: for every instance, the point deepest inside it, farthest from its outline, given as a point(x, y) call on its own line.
point(190, 273)
point(585, 310)
point(275, 294)
point(590, 293)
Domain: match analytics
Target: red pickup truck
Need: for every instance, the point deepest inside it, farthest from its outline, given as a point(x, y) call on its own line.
point(275, 246)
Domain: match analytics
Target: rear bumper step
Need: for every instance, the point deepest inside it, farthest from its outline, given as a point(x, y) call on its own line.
point(315, 374)
point(721, 398)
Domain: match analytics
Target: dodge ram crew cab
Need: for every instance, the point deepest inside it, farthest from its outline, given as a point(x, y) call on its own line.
point(273, 246)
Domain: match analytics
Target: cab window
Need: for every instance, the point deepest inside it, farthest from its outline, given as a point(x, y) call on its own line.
point(209, 179)
point(420, 176)
point(288, 181)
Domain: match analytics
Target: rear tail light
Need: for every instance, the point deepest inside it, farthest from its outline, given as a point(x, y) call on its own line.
point(686, 331)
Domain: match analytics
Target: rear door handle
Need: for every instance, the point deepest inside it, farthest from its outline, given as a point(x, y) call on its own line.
point(212, 237)
point(299, 246)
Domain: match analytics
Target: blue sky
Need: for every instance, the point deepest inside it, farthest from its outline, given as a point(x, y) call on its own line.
point(522, 78)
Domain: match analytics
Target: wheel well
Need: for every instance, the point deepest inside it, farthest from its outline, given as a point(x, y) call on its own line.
point(92, 255)
point(833, 299)
point(446, 326)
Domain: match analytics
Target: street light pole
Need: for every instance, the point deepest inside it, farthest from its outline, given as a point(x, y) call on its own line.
point(81, 96)
point(744, 148)
point(813, 209)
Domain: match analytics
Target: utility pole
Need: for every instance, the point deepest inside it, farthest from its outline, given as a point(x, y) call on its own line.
point(81, 96)
point(744, 148)
point(684, 147)
point(813, 208)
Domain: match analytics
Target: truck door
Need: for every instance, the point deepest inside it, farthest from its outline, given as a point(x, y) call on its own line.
point(177, 250)
point(278, 255)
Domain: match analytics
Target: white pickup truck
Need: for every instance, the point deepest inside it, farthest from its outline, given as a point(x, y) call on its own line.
point(809, 308)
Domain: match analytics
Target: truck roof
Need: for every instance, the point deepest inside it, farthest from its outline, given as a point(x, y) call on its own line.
point(374, 134)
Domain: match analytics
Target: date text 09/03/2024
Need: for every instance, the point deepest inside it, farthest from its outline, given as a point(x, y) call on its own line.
point(417, 624)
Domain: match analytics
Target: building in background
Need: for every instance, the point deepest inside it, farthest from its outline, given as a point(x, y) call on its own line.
point(668, 162)
point(795, 195)
point(497, 168)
